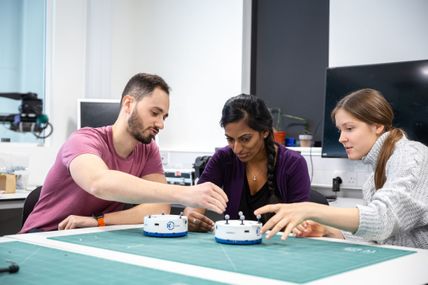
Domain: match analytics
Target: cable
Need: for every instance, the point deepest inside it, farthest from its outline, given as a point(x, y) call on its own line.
point(13, 268)
point(44, 128)
point(312, 164)
point(317, 128)
point(310, 150)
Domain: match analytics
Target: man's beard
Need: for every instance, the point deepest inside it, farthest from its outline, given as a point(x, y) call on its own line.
point(136, 129)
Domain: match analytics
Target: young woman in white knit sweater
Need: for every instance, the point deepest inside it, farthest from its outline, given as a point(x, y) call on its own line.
point(396, 193)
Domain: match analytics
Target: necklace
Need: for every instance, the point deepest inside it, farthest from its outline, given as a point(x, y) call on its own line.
point(254, 175)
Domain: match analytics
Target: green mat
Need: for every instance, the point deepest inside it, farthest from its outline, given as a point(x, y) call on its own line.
point(42, 265)
point(296, 260)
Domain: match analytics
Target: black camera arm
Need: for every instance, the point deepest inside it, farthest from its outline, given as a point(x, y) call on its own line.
point(30, 118)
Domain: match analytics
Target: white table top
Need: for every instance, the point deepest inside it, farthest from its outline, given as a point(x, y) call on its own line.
point(409, 269)
point(20, 194)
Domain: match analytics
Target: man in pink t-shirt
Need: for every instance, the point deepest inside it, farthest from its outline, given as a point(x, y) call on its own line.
point(97, 170)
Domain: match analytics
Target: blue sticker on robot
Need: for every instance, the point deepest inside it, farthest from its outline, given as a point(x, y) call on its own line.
point(170, 225)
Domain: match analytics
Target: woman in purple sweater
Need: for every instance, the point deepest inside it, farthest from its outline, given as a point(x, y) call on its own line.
point(253, 170)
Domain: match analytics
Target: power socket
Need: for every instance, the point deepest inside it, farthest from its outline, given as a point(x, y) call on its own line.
point(349, 178)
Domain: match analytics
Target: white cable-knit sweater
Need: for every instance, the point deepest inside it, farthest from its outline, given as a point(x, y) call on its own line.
point(397, 213)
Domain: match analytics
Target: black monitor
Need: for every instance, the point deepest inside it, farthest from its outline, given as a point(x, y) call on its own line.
point(404, 85)
point(97, 112)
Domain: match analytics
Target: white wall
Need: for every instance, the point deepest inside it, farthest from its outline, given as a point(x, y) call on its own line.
point(198, 50)
point(367, 32)
point(196, 46)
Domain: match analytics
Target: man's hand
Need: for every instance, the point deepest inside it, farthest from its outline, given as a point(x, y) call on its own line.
point(73, 222)
point(198, 222)
point(206, 195)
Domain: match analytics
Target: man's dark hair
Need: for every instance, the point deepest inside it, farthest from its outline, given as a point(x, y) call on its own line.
point(143, 84)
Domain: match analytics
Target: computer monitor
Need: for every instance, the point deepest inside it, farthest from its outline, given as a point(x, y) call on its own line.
point(97, 112)
point(404, 85)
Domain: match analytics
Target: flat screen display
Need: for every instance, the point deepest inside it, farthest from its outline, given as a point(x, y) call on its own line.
point(97, 112)
point(403, 84)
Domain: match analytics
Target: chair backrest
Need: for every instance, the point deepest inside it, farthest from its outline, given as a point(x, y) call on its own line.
point(30, 202)
point(199, 165)
point(317, 197)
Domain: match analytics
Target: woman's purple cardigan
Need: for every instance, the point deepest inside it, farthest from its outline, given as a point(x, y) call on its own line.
point(228, 172)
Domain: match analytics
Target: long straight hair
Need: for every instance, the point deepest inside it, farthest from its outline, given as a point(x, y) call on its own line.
point(369, 106)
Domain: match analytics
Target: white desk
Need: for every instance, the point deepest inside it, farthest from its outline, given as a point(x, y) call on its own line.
point(409, 269)
point(13, 200)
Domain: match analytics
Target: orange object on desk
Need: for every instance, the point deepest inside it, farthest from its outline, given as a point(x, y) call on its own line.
point(279, 136)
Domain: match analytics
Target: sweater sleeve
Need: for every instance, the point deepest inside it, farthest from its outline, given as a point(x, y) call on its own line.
point(401, 204)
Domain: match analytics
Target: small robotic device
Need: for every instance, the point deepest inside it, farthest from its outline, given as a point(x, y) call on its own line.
point(238, 231)
point(165, 225)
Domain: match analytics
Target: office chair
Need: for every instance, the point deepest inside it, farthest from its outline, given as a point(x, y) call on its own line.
point(199, 165)
point(317, 197)
point(30, 202)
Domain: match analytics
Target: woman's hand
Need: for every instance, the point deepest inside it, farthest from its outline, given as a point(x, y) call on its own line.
point(198, 222)
point(290, 216)
point(310, 229)
point(286, 216)
point(313, 229)
point(73, 222)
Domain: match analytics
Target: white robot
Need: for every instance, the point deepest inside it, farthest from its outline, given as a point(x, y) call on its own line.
point(165, 225)
point(238, 231)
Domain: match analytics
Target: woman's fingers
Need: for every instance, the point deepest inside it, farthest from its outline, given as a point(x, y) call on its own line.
point(199, 222)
